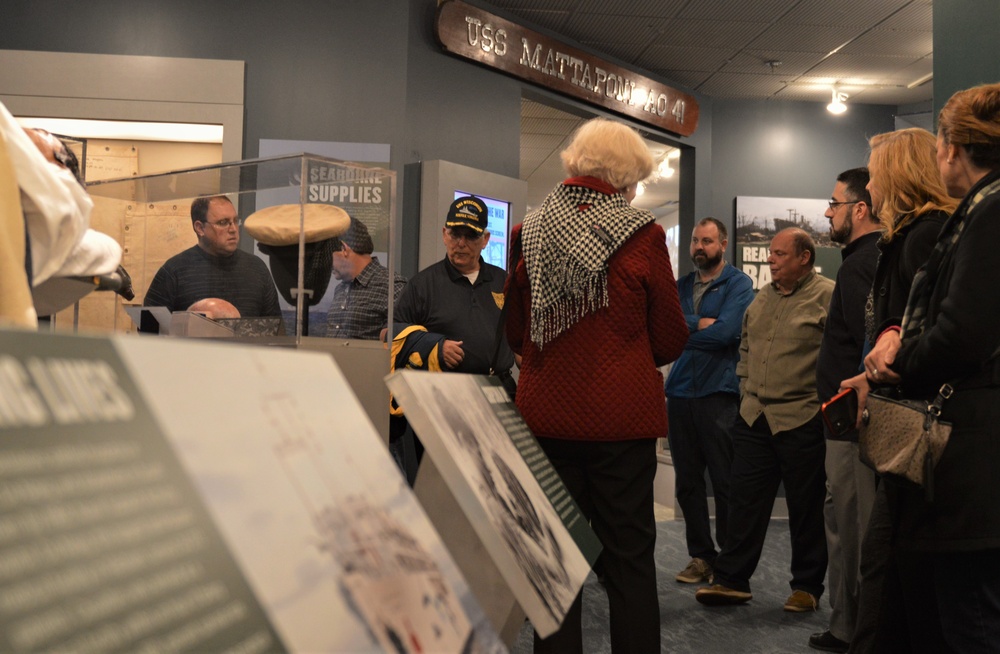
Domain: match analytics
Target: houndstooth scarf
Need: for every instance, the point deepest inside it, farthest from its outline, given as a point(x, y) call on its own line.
point(915, 316)
point(567, 244)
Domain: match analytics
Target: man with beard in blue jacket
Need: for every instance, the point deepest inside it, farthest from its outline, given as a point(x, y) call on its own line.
point(703, 393)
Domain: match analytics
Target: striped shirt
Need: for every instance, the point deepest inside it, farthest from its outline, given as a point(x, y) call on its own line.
point(241, 279)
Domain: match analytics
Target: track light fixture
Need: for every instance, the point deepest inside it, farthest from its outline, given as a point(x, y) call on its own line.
point(837, 105)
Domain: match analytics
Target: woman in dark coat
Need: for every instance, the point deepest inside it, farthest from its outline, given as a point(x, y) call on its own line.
point(947, 549)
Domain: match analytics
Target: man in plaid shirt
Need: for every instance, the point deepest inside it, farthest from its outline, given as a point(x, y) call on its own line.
point(361, 299)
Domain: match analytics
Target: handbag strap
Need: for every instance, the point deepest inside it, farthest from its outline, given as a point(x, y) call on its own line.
point(515, 256)
point(934, 408)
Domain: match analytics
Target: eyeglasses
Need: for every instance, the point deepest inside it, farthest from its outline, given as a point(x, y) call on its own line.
point(225, 224)
point(834, 205)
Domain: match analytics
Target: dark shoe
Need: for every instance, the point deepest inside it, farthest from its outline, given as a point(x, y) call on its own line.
point(719, 595)
point(827, 642)
point(697, 571)
point(800, 601)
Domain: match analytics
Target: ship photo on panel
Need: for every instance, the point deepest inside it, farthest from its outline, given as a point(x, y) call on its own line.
point(758, 219)
point(455, 416)
point(327, 532)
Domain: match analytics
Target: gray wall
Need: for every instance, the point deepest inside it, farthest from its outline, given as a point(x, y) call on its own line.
point(785, 149)
point(315, 70)
point(965, 46)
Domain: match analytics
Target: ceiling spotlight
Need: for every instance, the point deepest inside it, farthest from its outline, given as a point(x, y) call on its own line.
point(837, 105)
point(664, 169)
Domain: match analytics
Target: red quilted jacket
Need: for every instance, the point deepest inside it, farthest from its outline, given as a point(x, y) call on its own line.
point(599, 380)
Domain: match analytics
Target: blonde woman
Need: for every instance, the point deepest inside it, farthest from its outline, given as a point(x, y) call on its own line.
point(912, 204)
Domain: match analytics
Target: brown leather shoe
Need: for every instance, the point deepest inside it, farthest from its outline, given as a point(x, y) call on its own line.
point(800, 601)
point(696, 572)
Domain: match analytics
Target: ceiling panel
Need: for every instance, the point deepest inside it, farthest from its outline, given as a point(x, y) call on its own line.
point(627, 52)
point(796, 37)
point(688, 78)
point(687, 58)
point(544, 139)
point(892, 42)
point(549, 126)
point(691, 39)
point(553, 20)
point(758, 11)
point(623, 29)
point(845, 13)
point(709, 33)
point(862, 67)
point(787, 64)
point(727, 85)
point(888, 95)
point(655, 8)
point(806, 93)
point(916, 16)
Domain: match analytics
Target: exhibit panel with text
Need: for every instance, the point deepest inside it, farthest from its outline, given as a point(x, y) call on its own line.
point(170, 494)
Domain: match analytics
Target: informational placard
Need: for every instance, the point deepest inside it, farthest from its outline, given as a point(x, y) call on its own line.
point(105, 545)
point(758, 219)
point(515, 501)
point(256, 505)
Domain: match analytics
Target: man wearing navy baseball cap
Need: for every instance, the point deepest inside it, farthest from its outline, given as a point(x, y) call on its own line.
point(460, 296)
point(458, 300)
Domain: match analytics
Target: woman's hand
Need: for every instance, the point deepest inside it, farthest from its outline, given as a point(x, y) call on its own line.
point(881, 357)
point(860, 385)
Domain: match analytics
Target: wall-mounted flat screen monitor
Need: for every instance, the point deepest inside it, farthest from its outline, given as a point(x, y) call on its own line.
point(495, 251)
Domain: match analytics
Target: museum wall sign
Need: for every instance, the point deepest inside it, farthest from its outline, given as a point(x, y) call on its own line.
point(471, 33)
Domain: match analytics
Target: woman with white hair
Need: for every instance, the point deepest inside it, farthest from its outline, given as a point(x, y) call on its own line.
point(593, 310)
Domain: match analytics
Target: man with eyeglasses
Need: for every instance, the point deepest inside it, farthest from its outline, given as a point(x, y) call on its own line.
point(461, 296)
point(448, 312)
point(215, 267)
point(850, 485)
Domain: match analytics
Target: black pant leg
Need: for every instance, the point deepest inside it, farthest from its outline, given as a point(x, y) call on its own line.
point(756, 475)
point(802, 452)
point(717, 414)
point(689, 476)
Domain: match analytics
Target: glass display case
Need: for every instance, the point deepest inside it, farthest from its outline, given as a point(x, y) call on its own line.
point(151, 217)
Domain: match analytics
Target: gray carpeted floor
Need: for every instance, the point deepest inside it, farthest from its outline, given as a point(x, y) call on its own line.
point(760, 626)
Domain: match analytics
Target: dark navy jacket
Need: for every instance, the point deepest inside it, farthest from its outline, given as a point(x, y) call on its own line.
point(708, 364)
